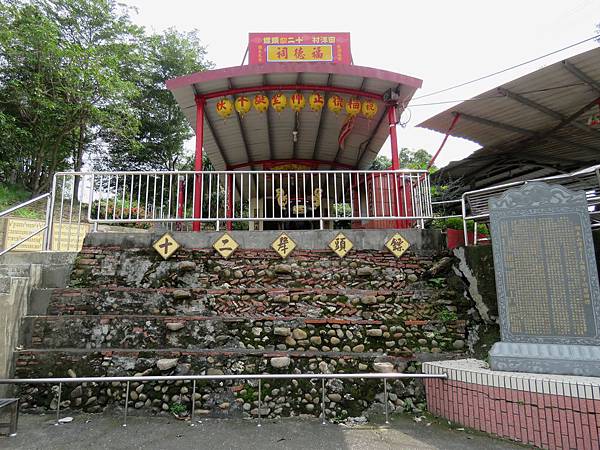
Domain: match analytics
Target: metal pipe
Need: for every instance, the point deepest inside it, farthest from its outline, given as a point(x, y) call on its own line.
point(323, 400)
point(16, 244)
point(259, 400)
point(274, 376)
point(126, 405)
point(58, 404)
point(50, 219)
point(22, 205)
point(45, 243)
point(193, 402)
point(464, 213)
point(385, 400)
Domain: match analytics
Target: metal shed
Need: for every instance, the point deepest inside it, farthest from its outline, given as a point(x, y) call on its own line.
point(532, 127)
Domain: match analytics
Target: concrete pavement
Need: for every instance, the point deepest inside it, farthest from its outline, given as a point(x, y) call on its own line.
point(102, 432)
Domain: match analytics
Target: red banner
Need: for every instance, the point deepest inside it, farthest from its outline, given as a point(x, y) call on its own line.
point(299, 47)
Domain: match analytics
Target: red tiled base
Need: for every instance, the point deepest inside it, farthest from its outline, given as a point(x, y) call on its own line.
point(546, 420)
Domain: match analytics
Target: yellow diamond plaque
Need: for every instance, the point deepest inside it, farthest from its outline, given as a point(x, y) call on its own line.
point(341, 245)
point(166, 246)
point(397, 245)
point(225, 246)
point(283, 245)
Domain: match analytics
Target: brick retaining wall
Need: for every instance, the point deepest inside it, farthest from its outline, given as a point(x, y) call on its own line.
point(548, 411)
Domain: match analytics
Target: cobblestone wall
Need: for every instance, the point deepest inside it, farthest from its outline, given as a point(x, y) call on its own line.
point(127, 311)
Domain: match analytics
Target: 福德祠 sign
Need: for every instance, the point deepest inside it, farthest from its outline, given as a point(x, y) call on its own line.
point(299, 47)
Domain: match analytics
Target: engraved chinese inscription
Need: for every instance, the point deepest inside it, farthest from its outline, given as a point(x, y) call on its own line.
point(545, 267)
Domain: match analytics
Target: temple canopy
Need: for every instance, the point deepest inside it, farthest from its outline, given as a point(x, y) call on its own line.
point(532, 127)
point(256, 139)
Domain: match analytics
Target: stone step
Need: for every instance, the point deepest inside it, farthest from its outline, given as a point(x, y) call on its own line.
point(317, 303)
point(155, 332)
point(15, 270)
point(345, 398)
point(39, 300)
point(56, 276)
point(203, 268)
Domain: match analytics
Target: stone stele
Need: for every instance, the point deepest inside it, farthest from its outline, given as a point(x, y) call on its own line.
point(546, 281)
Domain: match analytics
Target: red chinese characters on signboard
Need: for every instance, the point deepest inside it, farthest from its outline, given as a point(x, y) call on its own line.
point(299, 47)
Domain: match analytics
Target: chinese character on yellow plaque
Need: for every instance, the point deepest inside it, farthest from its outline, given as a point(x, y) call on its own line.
point(341, 245)
point(397, 245)
point(283, 245)
point(166, 246)
point(225, 246)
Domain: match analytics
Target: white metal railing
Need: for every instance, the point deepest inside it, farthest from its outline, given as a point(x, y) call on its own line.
point(43, 228)
point(474, 203)
point(217, 197)
point(222, 378)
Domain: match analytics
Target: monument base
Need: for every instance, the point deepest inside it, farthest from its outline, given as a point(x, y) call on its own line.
point(560, 359)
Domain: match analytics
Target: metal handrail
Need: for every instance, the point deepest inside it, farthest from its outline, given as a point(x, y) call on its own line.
point(189, 198)
point(194, 378)
point(21, 205)
point(34, 233)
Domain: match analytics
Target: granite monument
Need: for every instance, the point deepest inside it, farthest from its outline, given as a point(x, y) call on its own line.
point(546, 281)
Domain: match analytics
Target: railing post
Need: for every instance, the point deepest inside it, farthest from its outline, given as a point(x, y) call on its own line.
point(46, 240)
point(259, 400)
point(229, 194)
point(385, 399)
point(180, 199)
point(126, 405)
point(91, 202)
point(193, 403)
point(464, 214)
point(58, 404)
point(50, 217)
point(322, 401)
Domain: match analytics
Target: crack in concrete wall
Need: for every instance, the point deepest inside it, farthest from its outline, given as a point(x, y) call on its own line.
point(464, 271)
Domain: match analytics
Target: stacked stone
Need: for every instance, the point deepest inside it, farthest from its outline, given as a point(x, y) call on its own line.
point(128, 312)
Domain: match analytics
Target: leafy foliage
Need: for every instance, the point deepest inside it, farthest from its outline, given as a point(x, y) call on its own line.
point(409, 159)
point(158, 143)
point(79, 80)
point(11, 195)
point(119, 209)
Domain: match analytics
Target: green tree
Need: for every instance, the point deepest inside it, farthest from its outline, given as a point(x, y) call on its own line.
point(36, 117)
point(159, 141)
point(409, 159)
point(61, 81)
point(415, 159)
point(381, 162)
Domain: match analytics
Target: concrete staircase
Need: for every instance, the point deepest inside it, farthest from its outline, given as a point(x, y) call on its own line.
point(27, 281)
point(125, 311)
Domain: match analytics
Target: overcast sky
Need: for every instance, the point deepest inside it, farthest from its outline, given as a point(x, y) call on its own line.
point(443, 43)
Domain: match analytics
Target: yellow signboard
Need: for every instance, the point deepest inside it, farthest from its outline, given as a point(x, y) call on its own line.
point(68, 238)
point(299, 53)
point(65, 237)
point(283, 245)
point(397, 245)
point(225, 245)
point(166, 246)
point(341, 245)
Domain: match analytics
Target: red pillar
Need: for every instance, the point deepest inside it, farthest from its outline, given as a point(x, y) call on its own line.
point(229, 200)
point(398, 181)
point(198, 163)
point(181, 197)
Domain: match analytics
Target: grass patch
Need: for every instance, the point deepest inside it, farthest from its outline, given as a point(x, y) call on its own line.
point(11, 195)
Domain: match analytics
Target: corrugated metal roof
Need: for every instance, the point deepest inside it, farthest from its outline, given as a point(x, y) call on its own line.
point(269, 136)
point(515, 134)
